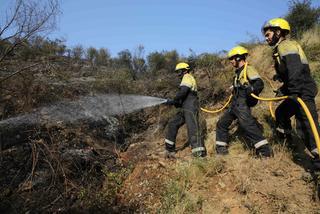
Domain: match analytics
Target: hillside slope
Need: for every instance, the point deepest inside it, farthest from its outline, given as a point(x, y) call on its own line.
point(117, 165)
point(236, 183)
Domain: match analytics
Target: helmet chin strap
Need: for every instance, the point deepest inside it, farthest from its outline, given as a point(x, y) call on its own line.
point(237, 63)
point(275, 39)
point(182, 72)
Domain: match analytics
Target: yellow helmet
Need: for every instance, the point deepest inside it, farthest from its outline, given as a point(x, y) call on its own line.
point(276, 23)
point(182, 65)
point(238, 50)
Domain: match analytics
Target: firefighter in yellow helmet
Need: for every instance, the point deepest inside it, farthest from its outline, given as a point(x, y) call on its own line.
point(246, 81)
point(292, 69)
point(187, 100)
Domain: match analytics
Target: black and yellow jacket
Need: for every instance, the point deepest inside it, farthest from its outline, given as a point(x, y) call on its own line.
point(247, 81)
point(187, 94)
point(293, 70)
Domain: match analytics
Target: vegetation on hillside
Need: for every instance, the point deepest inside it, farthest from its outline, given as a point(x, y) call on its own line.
point(113, 165)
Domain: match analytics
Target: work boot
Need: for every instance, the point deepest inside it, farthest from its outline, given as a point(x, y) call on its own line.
point(280, 136)
point(222, 150)
point(199, 154)
point(264, 151)
point(316, 170)
point(316, 163)
point(170, 154)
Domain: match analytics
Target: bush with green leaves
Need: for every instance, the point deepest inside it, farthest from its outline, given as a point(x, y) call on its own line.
point(165, 60)
point(302, 17)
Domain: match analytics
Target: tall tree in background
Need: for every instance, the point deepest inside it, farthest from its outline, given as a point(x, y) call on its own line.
point(103, 57)
point(156, 61)
point(91, 55)
point(138, 61)
point(124, 62)
point(165, 61)
point(302, 16)
point(171, 59)
point(77, 53)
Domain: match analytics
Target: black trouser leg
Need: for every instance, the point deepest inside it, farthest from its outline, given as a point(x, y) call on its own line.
point(283, 113)
point(303, 125)
point(304, 129)
point(222, 132)
point(172, 130)
point(250, 126)
point(287, 109)
point(194, 135)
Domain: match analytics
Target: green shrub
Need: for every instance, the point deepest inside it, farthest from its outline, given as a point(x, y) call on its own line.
point(302, 17)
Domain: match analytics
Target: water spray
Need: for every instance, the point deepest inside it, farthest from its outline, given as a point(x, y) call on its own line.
point(87, 108)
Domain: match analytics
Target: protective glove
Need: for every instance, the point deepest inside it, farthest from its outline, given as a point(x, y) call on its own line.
point(249, 90)
point(294, 96)
point(177, 104)
point(170, 102)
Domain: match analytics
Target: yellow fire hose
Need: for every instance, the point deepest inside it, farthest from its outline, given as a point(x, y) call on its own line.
point(218, 110)
point(306, 110)
point(271, 102)
point(271, 111)
point(303, 105)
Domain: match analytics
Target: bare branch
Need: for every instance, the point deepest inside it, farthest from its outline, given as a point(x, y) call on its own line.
point(14, 16)
point(29, 18)
point(19, 71)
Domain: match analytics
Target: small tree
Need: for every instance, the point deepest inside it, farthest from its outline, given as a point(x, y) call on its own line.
point(103, 57)
point(77, 52)
point(171, 59)
point(301, 17)
point(91, 55)
point(124, 59)
point(138, 62)
point(156, 61)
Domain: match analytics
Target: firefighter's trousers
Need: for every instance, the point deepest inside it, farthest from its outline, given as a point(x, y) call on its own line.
point(289, 108)
point(191, 118)
point(240, 111)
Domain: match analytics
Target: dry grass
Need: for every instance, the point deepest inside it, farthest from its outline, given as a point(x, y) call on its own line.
point(311, 37)
point(239, 183)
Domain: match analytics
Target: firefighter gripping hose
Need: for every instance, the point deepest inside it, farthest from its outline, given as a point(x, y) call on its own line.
point(306, 110)
point(271, 99)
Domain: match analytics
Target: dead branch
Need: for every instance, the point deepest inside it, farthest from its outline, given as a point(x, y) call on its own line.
point(19, 71)
point(28, 19)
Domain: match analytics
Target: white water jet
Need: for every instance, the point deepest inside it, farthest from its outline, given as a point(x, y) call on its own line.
point(87, 108)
